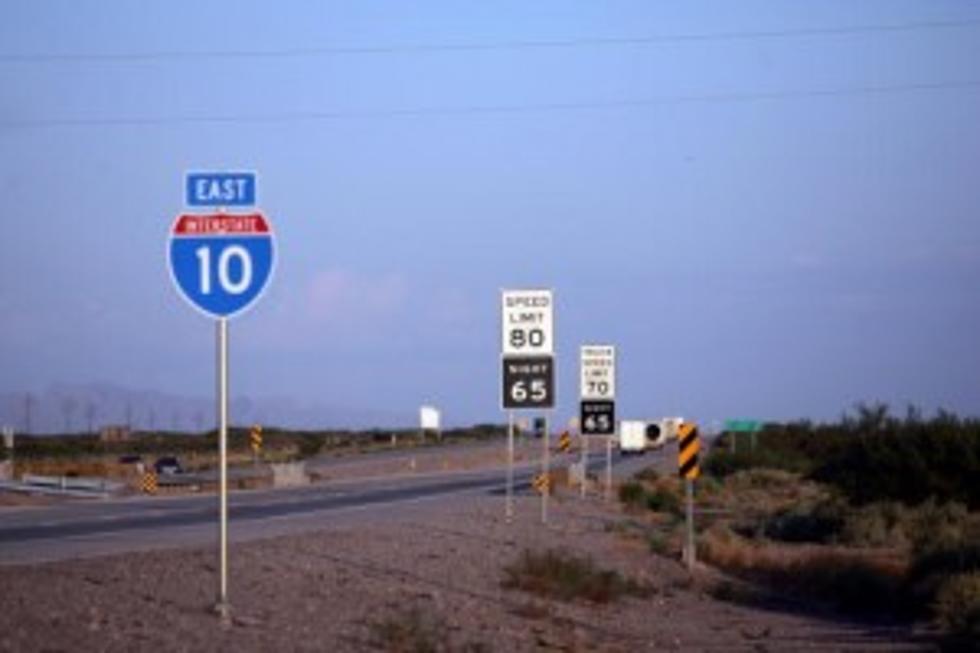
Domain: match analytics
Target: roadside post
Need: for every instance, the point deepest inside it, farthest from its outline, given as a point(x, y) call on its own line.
point(609, 448)
point(597, 409)
point(221, 262)
point(528, 369)
point(688, 447)
point(8, 444)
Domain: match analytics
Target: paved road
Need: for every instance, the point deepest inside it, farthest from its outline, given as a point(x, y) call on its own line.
point(93, 528)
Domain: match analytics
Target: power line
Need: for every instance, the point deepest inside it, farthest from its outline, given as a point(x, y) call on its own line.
point(422, 48)
point(500, 109)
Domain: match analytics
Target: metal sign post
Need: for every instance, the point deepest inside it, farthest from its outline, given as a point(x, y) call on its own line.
point(221, 263)
point(585, 461)
point(688, 448)
point(597, 391)
point(609, 447)
point(510, 466)
point(690, 551)
point(545, 469)
point(528, 372)
point(222, 605)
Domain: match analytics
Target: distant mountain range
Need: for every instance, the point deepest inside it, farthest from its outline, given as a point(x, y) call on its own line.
point(65, 408)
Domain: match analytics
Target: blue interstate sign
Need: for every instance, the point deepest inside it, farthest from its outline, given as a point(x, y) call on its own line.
point(221, 189)
point(221, 262)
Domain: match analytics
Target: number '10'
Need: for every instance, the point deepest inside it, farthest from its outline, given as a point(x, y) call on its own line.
point(224, 269)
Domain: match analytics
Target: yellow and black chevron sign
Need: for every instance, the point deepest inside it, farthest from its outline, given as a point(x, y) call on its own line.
point(149, 483)
point(564, 441)
point(256, 438)
point(688, 448)
point(542, 484)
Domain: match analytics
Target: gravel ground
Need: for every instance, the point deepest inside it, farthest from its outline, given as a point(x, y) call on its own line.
point(433, 570)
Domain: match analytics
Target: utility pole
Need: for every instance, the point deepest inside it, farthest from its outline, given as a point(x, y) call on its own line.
point(28, 406)
point(68, 405)
point(90, 413)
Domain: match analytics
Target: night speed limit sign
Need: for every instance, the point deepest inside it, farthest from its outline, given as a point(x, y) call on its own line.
point(528, 319)
point(597, 417)
point(528, 382)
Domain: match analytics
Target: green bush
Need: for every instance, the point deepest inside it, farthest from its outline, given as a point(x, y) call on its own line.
point(663, 500)
point(631, 493)
point(820, 522)
point(908, 461)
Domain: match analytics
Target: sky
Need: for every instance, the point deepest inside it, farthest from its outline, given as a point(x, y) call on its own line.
point(771, 208)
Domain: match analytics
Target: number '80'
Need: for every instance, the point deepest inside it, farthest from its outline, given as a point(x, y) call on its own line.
point(520, 338)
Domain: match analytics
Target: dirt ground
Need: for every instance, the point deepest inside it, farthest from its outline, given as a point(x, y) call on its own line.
point(427, 579)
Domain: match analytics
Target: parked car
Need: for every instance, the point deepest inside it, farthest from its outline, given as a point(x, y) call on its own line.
point(168, 465)
point(130, 459)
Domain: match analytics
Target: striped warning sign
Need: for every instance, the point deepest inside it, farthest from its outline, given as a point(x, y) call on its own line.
point(564, 441)
point(149, 483)
point(255, 438)
point(688, 447)
point(542, 483)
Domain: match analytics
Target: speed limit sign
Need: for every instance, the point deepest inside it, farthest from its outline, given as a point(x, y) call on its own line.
point(597, 417)
point(598, 368)
point(528, 382)
point(528, 319)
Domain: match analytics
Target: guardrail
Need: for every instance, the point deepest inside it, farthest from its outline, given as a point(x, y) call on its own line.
point(70, 485)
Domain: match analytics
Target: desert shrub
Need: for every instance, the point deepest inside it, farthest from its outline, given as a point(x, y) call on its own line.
point(708, 486)
point(659, 543)
point(879, 524)
point(721, 463)
point(910, 462)
point(957, 607)
point(870, 456)
point(934, 527)
point(410, 631)
point(662, 499)
point(561, 575)
point(631, 493)
point(820, 522)
point(649, 474)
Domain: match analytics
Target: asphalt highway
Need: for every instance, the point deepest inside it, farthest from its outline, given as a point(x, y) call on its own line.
point(78, 529)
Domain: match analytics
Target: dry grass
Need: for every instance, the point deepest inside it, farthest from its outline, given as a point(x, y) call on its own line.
point(857, 580)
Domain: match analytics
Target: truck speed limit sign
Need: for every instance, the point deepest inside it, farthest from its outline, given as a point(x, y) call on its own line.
point(598, 368)
point(528, 319)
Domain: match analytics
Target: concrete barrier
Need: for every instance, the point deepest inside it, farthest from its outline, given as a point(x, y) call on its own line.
point(289, 474)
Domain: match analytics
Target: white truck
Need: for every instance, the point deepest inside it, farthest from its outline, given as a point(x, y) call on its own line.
point(638, 436)
point(632, 436)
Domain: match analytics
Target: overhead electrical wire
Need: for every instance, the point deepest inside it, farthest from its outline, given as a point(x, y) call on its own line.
point(422, 48)
point(319, 116)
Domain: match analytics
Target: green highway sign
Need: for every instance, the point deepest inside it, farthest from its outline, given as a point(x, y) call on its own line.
point(743, 425)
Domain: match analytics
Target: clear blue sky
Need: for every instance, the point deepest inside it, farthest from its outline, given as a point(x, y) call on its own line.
point(771, 217)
